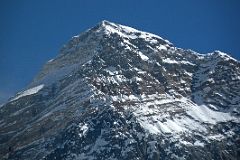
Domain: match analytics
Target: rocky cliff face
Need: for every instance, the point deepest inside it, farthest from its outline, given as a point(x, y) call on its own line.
point(114, 92)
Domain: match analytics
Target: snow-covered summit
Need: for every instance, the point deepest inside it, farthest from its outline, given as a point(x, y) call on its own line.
point(114, 92)
point(85, 46)
point(128, 32)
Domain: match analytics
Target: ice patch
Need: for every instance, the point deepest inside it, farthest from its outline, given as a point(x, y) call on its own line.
point(83, 129)
point(143, 57)
point(170, 61)
point(49, 61)
point(162, 47)
point(150, 127)
point(218, 137)
point(186, 117)
point(185, 143)
point(203, 114)
point(163, 127)
point(174, 126)
point(28, 92)
point(198, 143)
point(129, 32)
point(111, 70)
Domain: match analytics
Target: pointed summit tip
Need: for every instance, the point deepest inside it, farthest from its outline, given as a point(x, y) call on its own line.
point(123, 30)
point(110, 26)
point(106, 23)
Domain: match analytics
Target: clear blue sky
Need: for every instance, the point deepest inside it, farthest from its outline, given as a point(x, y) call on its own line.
point(33, 31)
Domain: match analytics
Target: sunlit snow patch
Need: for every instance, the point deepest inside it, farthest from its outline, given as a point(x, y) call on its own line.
point(83, 128)
point(143, 57)
point(28, 92)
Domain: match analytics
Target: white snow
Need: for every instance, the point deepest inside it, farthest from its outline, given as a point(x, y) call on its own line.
point(167, 60)
point(203, 114)
point(28, 92)
point(111, 70)
point(83, 128)
point(143, 57)
point(188, 73)
point(174, 125)
point(150, 127)
point(129, 32)
point(171, 61)
point(198, 143)
point(122, 31)
point(217, 137)
point(162, 47)
point(132, 97)
point(124, 98)
point(221, 54)
point(185, 143)
point(136, 79)
point(187, 62)
point(50, 60)
point(163, 127)
point(185, 117)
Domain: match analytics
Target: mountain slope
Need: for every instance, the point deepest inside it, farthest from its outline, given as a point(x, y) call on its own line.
point(114, 92)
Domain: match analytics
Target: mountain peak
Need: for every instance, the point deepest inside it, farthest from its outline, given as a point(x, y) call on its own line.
point(126, 31)
point(85, 46)
point(105, 22)
point(115, 92)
